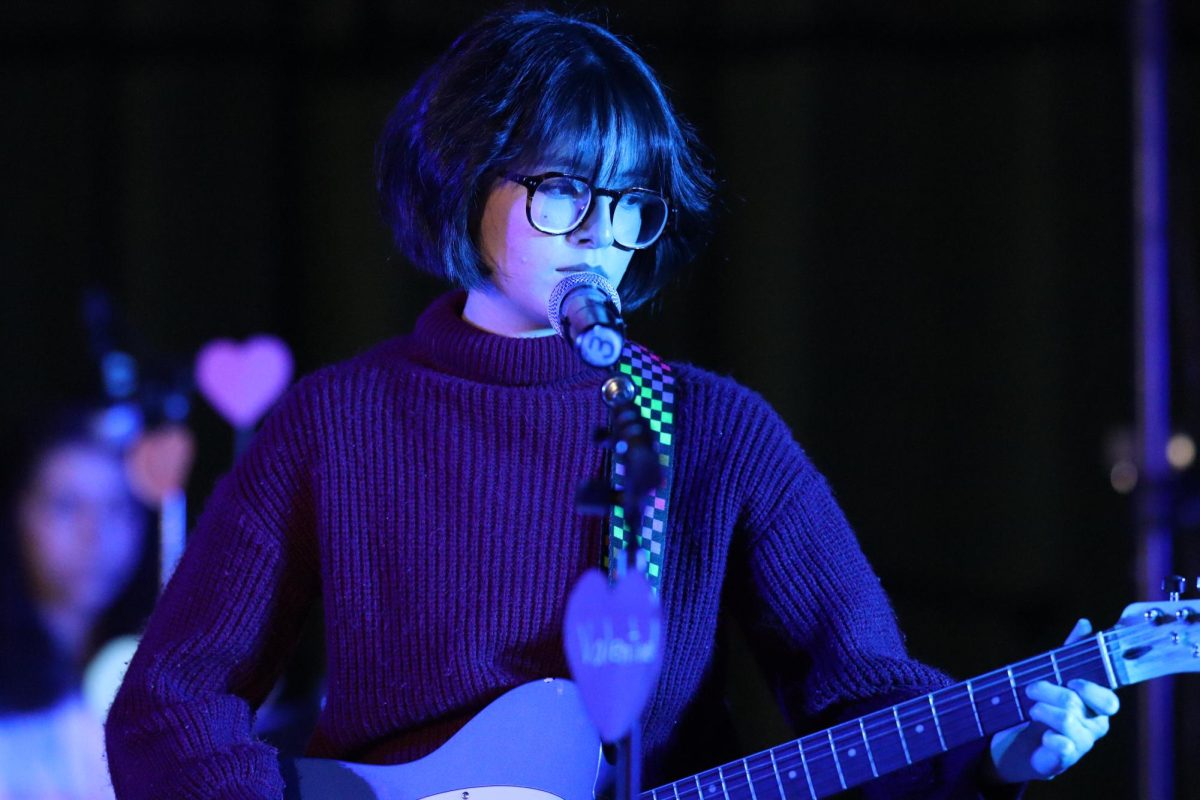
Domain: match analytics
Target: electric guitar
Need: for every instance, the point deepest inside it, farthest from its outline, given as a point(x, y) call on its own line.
point(536, 743)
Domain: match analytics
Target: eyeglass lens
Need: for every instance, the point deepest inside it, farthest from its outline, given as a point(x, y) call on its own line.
point(560, 203)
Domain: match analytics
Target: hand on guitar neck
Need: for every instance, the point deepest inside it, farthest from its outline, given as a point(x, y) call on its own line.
point(1065, 722)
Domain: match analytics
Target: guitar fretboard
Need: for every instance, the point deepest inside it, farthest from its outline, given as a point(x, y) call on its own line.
point(851, 753)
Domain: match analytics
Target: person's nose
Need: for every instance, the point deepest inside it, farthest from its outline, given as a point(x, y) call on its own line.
point(596, 229)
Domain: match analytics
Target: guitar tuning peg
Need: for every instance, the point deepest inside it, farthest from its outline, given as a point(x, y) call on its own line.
point(1175, 586)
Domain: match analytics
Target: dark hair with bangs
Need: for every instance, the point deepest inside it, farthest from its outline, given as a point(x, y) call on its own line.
point(510, 90)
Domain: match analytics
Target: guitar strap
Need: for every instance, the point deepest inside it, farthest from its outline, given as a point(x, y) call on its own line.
point(654, 396)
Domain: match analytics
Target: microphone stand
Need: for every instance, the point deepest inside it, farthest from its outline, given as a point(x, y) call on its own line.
point(629, 437)
point(585, 309)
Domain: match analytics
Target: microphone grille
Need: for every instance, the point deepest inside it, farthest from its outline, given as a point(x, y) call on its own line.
point(574, 281)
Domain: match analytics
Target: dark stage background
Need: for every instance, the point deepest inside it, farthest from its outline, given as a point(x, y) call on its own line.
point(924, 259)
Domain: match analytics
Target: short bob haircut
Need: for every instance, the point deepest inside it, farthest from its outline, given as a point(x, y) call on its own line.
point(510, 90)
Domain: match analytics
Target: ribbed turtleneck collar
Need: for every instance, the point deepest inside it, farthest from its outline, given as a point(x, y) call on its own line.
point(447, 342)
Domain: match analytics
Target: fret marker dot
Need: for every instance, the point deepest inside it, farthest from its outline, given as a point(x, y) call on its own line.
point(791, 774)
point(852, 752)
point(995, 701)
point(920, 729)
point(712, 789)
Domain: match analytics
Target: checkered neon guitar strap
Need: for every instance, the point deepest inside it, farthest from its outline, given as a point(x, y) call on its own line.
point(654, 396)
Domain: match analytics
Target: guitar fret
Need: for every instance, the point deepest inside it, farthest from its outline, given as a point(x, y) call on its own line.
point(804, 763)
point(699, 788)
point(724, 790)
point(957, 716)
point(761, 776)
point(1031, 670)
point(836, 761)
point(917, 721)
point(1090, 662)
point(937, 725)
point(675, 790)
point(994, 696)
point(974, 708)
point(778, 780)
point(1108, 667)
point(1017, 700)
point(1058, 678)
point(749, 780)
point(850, 747)
point(900, 730)
point(884, 744)
point(867, 746)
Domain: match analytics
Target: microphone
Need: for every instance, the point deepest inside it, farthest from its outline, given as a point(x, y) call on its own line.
point(585, 310)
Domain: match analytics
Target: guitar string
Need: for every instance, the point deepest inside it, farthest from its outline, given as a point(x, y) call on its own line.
point(785, 761)
point(1027, 670)
point(1023, 674)
point(1086, 653)
point(917, 710)
point(816, 755)
point(823, 753)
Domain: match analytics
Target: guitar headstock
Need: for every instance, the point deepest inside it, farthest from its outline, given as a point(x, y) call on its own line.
point(1155, 639)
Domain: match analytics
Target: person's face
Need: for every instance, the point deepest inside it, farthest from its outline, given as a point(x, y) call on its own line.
point(81, 531)
point(526, 264)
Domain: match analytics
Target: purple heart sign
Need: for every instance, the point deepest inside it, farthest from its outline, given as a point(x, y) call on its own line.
point(613, 639)
point(241, 381)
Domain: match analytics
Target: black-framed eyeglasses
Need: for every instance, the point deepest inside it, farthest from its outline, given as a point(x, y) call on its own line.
point(559, 203)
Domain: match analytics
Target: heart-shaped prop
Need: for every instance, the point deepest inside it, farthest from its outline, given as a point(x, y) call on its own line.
point(613, 639)
point(158, 463)
point(241, 381)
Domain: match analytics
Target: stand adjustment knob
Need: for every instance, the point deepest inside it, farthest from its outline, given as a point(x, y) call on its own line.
point(618, 389)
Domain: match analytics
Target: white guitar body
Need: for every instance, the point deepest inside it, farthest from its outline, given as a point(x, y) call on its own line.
point(532, 743)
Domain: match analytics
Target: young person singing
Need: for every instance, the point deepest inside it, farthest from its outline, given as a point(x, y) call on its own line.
point(424, 490)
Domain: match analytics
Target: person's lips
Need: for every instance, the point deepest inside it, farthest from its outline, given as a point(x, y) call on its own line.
point(580, 268)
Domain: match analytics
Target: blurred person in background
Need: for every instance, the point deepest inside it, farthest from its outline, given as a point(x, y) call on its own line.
point(76, 570)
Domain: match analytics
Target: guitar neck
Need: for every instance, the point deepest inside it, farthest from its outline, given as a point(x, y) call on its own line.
point(851, 753)
point(538, 735)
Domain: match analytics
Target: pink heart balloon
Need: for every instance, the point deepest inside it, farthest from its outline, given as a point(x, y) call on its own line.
point(158, 462)
point(241, 381)
point(613, 639)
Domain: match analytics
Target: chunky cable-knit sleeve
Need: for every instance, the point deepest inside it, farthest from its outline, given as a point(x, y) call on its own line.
point(181, 724)
point(817, 613)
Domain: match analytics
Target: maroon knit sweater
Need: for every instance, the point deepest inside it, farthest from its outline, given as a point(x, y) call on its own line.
point(424, 491)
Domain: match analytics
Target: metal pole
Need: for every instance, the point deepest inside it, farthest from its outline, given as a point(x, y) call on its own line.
point(1155, 538)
